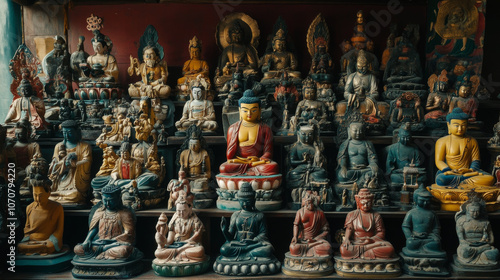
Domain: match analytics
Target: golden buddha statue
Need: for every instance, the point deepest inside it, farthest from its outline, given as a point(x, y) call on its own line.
point(239, 47)
point(279, 60)
point(44, 227)
point(457, 158)
point(154, 75)
point(194, 67)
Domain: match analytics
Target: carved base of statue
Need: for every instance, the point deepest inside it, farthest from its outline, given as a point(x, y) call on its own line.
point(424, 266)
point(180, 269)
point(452, 198)
point(91, 91)
point(204, 199)
point(50, 263)
point(268, 191)
point(362, 268)
point(264, 266)
point(461, 269)
point(108, 269)
point(395, 90)
point(307, 266)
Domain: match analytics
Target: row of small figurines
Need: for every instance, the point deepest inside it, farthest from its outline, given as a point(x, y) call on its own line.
point(364, 252)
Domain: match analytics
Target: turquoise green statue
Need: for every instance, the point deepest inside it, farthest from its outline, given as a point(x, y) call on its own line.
point(247, 251)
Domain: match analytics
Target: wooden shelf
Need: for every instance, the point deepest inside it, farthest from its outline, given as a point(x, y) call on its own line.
point(149, 274)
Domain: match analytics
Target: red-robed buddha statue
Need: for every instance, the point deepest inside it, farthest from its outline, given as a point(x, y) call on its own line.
point(250, 142)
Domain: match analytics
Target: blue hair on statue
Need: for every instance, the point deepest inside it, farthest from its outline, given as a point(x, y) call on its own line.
point(457, 114)
point(249, 98)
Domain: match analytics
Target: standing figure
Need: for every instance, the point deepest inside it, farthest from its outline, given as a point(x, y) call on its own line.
point(179, 251)
point(310, 242)
point(247, 250)
point(365, 242)
point(110, 240)
point(423, 255)
point(476, 255)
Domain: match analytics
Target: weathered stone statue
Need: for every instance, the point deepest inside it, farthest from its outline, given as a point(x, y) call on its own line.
point(476, 255)
point(109, 245)
point(72, 160)
point(310, 242)
point(151, 67)
point(198, 111)
point(364, 250)
point(423, 255)
point(77, 58)
point(42, 244)
point(180, 251)
point(401, 156)
point(308, 168)
point(457, 158)
point(238, 47)
point(247, 251)
point(56, 65)
point(310, 110)
point(249, 157)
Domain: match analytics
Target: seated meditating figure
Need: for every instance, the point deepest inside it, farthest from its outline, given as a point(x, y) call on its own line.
point(179, 243)
point(423, 242)
point(44, 227)
point(364, 248)
point(71, 187)
point(101, 65)
point(404, 154)
point(310, 241)
point(357, 158)
point(457, 156)
point(195, 66)
point(307, 162)
point(318, 38)
point(279, 60)
point(465, 98)
point(246, 240)
point(110, 240)
point(238, 50)
point(27, 106)
point(309, 109)
point(197, 111)
point(152, 69)
point(365, 232)
point(475, 253)
point(439, 99)
point(249, 142)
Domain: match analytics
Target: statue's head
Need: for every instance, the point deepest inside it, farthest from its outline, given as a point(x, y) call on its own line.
point(197, 92)
point(457, 122)
point(99, 43)
point(465, 90)
point(194, 143)
point(422, 198)
point(321, 45)
point(235, 33)
point(362, 63)
point(309, 89)
point(25, 89)
point(404, 135)
point(125, 149)
point(151, 56)
point(306, 134)
point(145, 104)
point(279, 41)
point(195, 48)
point(246, 197)
point(442, 82)
point(456, 16)
point(59, 44)
point(310, 201)
point(473, 208)
point(359, 17)
point(41, 189)
point(249, 106)
point(23, 131)
point(111, 197)
point(364, 200)
point(183, 208)
point(356, 131)
point(70, 131)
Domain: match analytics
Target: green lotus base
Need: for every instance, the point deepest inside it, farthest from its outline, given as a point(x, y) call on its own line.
point(181, 269)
